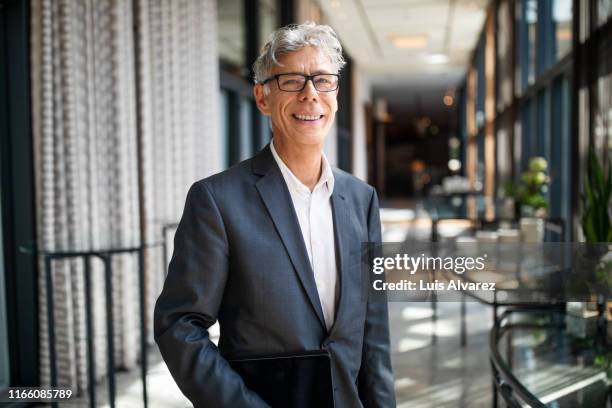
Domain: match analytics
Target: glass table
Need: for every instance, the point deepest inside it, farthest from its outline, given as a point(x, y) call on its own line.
point(542, 276)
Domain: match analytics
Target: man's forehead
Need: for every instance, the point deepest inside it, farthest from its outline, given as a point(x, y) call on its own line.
point(305, 60)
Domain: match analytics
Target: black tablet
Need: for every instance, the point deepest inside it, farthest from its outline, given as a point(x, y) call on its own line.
point(295, 380)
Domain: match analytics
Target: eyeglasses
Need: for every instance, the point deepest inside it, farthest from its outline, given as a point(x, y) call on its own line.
point(297, 82)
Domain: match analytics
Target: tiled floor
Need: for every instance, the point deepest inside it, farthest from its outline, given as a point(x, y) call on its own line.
point(431, 367)
point(427, 374)
point(440, 374)
point(161, 389)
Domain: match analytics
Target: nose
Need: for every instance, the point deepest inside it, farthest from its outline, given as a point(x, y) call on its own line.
point(309, 92)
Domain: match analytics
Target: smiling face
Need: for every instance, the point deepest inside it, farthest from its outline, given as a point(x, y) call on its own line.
point(299, 118)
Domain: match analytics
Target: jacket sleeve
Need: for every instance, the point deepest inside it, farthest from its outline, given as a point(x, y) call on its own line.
point(189, 304)
point(375, 380)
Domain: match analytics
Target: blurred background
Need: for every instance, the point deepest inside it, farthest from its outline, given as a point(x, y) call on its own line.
point(475, 120)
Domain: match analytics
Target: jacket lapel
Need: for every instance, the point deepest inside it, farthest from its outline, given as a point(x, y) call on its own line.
point(341, 214)
point(276, 197)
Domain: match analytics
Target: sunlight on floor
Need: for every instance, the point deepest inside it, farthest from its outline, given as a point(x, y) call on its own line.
point(415, 313)
point(163, 391)
point(409, 344)
point(442, 328)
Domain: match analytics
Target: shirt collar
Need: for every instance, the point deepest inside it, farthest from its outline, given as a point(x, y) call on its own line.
point(327, 176)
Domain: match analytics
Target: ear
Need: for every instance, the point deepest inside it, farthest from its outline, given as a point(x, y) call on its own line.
point(261, 99)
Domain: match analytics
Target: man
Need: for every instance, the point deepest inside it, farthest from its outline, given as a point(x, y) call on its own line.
point(271, 247)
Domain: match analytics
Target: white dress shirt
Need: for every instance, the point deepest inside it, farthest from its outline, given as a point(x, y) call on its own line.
point(314, 213)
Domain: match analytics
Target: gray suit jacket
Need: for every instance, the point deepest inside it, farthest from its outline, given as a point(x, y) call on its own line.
point(239, 257)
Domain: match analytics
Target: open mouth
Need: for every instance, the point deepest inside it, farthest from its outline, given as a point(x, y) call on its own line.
point(307, 118)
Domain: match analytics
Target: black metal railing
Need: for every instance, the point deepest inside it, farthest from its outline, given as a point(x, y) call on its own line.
point(106, 256)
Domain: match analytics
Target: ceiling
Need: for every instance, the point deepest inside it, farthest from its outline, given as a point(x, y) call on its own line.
point(414, 43)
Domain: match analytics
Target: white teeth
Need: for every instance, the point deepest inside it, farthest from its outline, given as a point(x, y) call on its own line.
point(307, 117)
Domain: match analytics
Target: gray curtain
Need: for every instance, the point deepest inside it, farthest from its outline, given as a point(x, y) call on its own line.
point(84, 107)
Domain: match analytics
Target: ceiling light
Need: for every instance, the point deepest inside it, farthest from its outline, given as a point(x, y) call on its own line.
point(448, 100)
point(454, 165)
point(436, 58)
point(454, 143)
point(335, 4)
point(409, 41)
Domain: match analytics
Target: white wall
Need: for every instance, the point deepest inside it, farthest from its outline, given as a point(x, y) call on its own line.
point(361, 96)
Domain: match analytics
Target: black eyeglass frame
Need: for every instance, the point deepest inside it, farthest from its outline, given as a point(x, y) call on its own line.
point(307, 77)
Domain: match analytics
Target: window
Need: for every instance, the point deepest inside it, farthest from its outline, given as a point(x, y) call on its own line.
point(504, 54)
point(268, 19)
point(562, 20)
point(265, 132)
point(560, 187)
point(526, 41)
point(480, 115)
point(528, 139)
point(224, 112)
point(231, 41)
point(602, 126)
point(604, 11)
point(480, 87)
point(244, 27)
point(504, 151)
point(595, 95)
point(246, 128)
point(544, 36)
point(542, 136)
point(554, 32)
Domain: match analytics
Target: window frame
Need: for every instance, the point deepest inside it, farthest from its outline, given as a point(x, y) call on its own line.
point(18, 200)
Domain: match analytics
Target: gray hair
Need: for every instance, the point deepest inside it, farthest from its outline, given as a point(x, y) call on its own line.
point(292, 38)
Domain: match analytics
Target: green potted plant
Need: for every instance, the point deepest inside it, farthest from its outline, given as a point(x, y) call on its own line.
point(596, 222)
point(529, 194)
point(532, 188)
point(530, 197)
point(596, 219)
